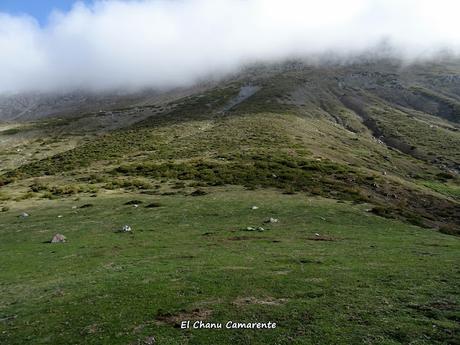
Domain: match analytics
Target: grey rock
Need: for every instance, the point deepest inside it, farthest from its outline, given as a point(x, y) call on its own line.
point(149, 340)
point(59, 238)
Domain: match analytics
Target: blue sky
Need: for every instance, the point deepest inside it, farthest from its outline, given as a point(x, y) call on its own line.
point(39, 9)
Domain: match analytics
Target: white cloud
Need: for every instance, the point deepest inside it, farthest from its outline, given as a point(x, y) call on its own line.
point(166, 43)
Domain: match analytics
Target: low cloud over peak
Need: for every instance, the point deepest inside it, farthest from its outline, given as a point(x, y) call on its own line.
point(167, 43)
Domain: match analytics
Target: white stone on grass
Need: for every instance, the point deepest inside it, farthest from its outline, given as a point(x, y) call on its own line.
point(59, 238)
point(126, 228)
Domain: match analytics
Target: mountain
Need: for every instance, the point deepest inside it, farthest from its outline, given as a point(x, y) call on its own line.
point(378, 132)
point(323, 197)
point(24, 107)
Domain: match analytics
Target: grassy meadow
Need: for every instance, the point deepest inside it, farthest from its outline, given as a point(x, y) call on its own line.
point(328, 272)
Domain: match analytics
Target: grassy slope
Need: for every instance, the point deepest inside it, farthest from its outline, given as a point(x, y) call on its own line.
point(258, 145)
point(377, 281)
point(312, 132)
point(254, 151)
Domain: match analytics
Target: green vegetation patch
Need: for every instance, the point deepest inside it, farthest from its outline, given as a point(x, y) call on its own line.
point(320, 178)
point(449, 189)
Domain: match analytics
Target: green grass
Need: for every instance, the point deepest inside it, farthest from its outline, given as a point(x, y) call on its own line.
point(12, 131)
point(372, 280)
point(449, 189)
point(418, 138)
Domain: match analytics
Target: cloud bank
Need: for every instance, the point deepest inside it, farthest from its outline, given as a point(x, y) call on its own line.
point(168, 43)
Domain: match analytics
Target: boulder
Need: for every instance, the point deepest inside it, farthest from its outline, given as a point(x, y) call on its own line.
point(150, 340)
point(59, 238)
point(126, 228)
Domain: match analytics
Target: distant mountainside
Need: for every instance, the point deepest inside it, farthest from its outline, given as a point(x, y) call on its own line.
point(35, 106)
point(379, 132)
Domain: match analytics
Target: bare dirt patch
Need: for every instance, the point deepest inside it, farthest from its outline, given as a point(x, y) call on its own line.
point(325, 238)
point(242, 301)
point(167, 318)
point(245, 238)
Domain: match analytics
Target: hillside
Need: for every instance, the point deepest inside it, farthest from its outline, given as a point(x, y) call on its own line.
point(360, 162)
point(378, 133)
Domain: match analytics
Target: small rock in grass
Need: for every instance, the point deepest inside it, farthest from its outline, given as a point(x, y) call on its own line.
point(24, 215)
point(60, 216)
point(254, 208)
point(317, 235)
point(272, 220)
point(74, 207)
point(149, 340)
point(58, 238)
point(251, 228)
point(125, 228)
